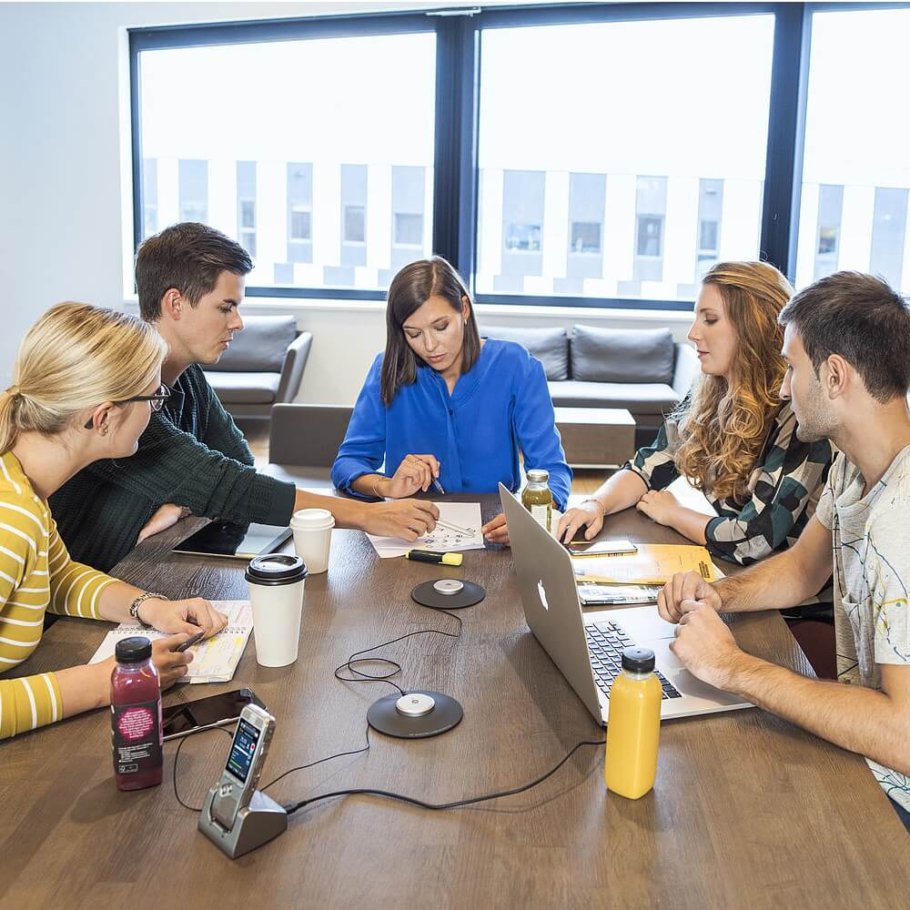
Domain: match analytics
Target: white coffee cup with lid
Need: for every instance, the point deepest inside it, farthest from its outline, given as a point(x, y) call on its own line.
point(313, 537)
point(276, 582)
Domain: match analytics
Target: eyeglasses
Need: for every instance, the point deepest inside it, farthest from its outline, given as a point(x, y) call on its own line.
point(156, 401)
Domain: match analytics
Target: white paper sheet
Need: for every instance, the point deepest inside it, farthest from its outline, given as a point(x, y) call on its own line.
point(458, 528)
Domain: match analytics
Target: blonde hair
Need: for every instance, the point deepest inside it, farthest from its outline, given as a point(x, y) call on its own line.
point(74, 357)
point(724, 425)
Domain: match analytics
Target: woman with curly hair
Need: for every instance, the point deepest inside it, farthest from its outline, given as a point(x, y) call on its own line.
point(732, 436)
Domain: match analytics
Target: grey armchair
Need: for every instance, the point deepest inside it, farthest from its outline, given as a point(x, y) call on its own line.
point(303, 442)
point(262, 367)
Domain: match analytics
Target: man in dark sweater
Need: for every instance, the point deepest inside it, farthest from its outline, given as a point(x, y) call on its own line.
point(192, 459)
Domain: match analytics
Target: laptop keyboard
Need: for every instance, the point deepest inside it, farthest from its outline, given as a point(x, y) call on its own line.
point(606, 641)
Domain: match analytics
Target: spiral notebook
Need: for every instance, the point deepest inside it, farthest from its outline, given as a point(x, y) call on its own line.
point(215, 659)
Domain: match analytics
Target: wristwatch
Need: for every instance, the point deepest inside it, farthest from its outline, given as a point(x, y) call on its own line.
point(139, 601)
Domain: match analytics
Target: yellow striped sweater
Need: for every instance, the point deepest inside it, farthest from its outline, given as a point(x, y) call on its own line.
point(36, 575)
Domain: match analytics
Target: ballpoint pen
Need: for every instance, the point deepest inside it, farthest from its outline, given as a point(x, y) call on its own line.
point(453, 527)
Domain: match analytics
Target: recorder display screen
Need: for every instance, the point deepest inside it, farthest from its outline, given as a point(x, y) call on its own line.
point(242, 749)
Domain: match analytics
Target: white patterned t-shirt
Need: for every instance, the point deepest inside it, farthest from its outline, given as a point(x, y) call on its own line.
point(871, 542)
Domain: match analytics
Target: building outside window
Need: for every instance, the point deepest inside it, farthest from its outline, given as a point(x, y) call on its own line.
point(301, 225)
point(650, 214)
point(307, 183)
point(710, 213)
point(585, 237)
point(889, 231)
point(408, 230)
point(246, 206)
point(355, 229)
point(354, 233)
point(149, 197)
point(299, 194)
point(855, 182)
point(830, 212)
point(194, 190)
point(604, 192)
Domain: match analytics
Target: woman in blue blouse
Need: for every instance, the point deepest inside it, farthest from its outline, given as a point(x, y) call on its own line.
point(444, 408)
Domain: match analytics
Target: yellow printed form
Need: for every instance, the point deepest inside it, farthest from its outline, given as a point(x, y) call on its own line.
point(653, 564)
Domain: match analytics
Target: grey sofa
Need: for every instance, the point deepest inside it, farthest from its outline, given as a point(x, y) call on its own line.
point(262, 367)
point(641, 370)
point(303, 442)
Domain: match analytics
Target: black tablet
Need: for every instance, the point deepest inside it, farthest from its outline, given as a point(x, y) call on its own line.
point(236, 541)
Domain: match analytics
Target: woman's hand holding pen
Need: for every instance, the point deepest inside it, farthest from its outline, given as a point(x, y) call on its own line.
point(415, 473)
point(188, 616)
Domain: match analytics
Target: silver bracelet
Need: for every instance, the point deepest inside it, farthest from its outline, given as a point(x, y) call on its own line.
point(139, 601)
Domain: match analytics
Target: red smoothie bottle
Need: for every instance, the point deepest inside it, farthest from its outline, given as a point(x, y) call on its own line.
point(136, 716)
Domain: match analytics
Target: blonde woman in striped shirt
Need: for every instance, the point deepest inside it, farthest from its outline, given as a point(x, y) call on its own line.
point(85, 383)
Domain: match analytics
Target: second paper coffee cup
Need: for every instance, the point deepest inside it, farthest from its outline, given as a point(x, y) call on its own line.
point(313, 537)
point(276, 583)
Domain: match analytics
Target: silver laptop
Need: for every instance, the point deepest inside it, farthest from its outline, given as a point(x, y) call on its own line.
point(586, 647)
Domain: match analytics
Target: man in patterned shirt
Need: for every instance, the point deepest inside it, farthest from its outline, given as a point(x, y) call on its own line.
point(847, 345)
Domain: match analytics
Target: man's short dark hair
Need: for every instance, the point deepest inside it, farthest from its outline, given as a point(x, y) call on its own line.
point(863, 320)
point(188, 257)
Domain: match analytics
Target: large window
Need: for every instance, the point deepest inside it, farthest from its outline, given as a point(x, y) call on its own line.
point(616, 117)
point(578, 154)
point(293, 148)
point(856, 171)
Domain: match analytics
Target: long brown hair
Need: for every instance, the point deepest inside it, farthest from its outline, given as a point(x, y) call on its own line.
point(410, 289)
point(724, 424)
point(74, 357)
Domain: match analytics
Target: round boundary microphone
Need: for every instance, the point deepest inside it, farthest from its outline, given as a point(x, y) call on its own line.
point(427, 595)
point(385, 717)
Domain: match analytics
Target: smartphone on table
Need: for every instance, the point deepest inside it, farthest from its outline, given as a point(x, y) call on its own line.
point(607, 547)
point(204, 713)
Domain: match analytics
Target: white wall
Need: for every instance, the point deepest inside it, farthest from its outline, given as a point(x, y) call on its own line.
point(64, 181)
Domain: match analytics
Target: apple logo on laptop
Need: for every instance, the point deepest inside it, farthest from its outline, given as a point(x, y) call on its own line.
point(542, 594)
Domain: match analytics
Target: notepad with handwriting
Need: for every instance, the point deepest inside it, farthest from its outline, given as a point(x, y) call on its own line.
point(653, 564)
point(215, 659)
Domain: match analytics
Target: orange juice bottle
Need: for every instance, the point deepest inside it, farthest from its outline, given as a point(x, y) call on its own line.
point(633, 726)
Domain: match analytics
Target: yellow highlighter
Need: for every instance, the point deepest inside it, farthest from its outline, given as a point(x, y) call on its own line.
point(446, 559)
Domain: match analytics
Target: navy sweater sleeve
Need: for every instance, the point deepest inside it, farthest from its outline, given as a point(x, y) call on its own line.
point(101, 510)
point(173, 466)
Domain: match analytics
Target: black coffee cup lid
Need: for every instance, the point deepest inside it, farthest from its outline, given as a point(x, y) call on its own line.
point(276, 569)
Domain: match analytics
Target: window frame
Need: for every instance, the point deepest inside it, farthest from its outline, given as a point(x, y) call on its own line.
point(458, 41)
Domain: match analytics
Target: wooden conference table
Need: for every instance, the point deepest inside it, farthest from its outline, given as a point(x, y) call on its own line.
point(748, 811)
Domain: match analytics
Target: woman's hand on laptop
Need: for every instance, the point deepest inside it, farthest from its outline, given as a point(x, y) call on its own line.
point(590, 513)
point(685, 586)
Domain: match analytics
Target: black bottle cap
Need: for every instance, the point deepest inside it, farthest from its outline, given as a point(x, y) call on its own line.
point(133, 650)
point(276, 569)
point(638, 660)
